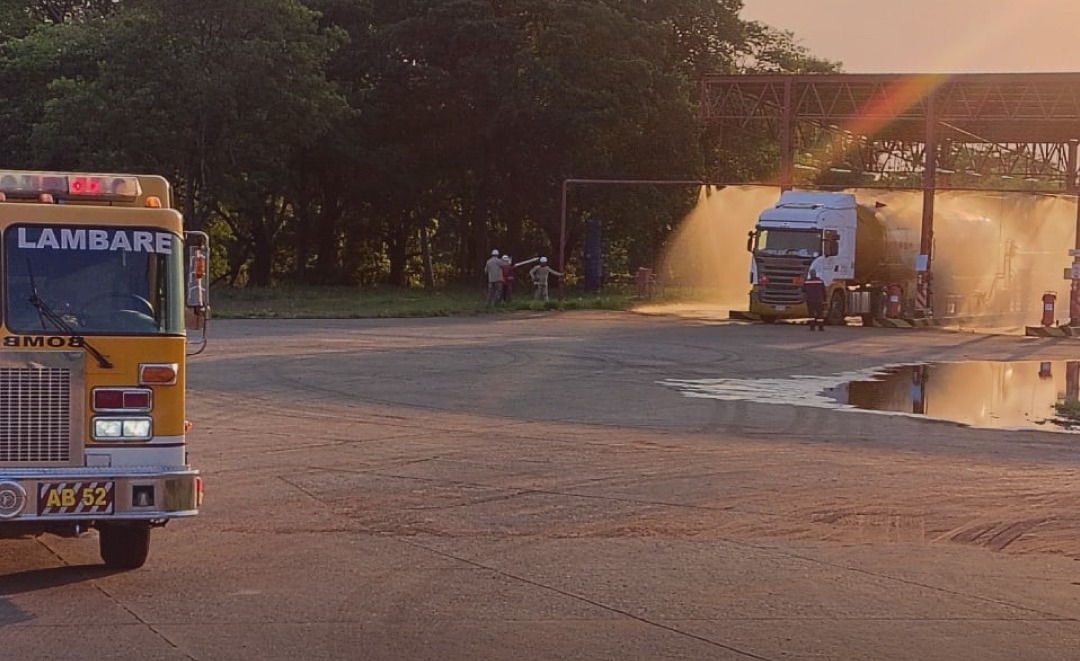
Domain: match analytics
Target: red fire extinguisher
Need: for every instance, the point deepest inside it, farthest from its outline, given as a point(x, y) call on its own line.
point(1048, 300)
point(894, 293)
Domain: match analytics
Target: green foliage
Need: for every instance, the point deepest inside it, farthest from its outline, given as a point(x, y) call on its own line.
point(770, 50)
point(328, 302)
point(387, 141)
point(1068, 409)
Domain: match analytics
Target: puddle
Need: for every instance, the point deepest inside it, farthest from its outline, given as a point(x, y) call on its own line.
point(996, 395)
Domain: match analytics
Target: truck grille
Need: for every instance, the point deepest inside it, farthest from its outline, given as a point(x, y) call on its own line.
point(35, 415)
point(781, 272)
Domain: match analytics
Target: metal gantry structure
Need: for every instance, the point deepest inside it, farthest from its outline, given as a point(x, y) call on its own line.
point(995, 132)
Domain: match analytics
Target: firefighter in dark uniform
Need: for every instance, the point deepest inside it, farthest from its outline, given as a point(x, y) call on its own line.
point(814, 293)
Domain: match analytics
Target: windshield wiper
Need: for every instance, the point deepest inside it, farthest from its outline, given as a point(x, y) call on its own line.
point(46, 312)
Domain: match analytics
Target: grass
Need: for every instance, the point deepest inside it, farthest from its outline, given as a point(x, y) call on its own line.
point(296, 302)
point(1068, 409)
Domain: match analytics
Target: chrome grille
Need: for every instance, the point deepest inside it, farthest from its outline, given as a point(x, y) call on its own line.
point(35, 415)
point(781, 272)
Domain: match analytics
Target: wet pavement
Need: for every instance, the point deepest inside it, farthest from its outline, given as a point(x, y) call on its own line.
point(1032, 394)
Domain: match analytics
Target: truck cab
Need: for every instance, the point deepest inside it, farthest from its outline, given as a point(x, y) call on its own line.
point(99, 286)
point(804, 231)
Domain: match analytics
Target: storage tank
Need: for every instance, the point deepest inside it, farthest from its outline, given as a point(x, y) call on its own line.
point(884, 252)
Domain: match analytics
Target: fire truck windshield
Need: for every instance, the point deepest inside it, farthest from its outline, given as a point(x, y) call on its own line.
point(98, 280)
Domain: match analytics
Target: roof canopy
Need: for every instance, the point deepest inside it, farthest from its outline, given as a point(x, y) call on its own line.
point(989, 108)
point(1015, 124)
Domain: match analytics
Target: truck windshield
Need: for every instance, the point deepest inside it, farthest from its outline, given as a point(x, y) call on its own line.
point(805, 243)
point(98, 280)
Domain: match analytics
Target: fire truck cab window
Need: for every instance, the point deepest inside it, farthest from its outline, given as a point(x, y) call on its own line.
point(96, 280)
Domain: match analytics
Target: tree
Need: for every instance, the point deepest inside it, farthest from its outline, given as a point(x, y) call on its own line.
point(219, 95)
point(64, 11)
point(357, 141)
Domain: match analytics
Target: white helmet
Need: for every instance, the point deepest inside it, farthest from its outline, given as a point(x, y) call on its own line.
point(543, 260)
point(506, 258)
point(495, 252)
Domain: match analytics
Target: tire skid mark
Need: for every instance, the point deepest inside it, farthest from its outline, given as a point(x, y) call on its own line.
point(996, 535)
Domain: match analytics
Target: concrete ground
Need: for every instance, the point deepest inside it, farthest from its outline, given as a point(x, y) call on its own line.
point(521, 487)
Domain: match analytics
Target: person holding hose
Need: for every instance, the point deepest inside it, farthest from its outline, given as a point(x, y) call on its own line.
point(508, 278)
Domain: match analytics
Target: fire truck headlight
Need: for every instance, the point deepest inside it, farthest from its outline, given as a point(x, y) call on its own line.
point(122, 429)
point(106, 428)
point(137, 428)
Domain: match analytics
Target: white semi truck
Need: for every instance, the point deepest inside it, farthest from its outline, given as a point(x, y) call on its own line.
point(868, 266)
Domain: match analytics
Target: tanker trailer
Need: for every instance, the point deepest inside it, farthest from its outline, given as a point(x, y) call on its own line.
point(863, 260)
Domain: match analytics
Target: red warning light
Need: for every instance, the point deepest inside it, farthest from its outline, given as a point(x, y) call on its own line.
point(85, 186)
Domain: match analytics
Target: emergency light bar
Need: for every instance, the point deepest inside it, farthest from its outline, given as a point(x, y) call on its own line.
point(106, 187)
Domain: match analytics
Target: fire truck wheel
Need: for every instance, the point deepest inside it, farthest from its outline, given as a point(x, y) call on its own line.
point(124, 545)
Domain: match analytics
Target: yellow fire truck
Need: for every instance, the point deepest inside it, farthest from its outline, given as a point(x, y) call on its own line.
point(102, 297)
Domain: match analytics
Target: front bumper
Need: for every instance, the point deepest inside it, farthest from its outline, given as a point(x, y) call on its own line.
point(793, 311)
point(40, 495)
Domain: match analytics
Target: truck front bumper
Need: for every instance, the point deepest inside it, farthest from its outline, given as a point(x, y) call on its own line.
point(58, 495)
point(794, 311)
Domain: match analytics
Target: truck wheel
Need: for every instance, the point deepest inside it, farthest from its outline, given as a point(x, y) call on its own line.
point(835, 315)
point(124, 545)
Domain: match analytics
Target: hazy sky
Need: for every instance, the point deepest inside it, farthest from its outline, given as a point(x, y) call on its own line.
point(950, 36)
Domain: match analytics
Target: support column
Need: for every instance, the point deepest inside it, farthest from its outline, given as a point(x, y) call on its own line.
point(562, 237)
point(1072, 185)
point(787, 137)
point(924, 276)
point(1070, 166)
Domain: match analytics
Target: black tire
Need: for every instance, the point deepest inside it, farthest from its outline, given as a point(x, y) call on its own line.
point(769, 319)
point(835, 314)
point(124, 545)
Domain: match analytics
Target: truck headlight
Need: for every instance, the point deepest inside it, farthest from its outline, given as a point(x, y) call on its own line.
point(123, 429)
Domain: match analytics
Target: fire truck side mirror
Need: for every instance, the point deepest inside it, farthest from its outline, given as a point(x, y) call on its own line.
point(197, 285)
point(197, 289)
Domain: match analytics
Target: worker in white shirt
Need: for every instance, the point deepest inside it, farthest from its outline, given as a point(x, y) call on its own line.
point(494, 276)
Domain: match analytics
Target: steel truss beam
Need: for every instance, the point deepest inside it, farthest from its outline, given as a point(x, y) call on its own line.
point(1006, 125)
